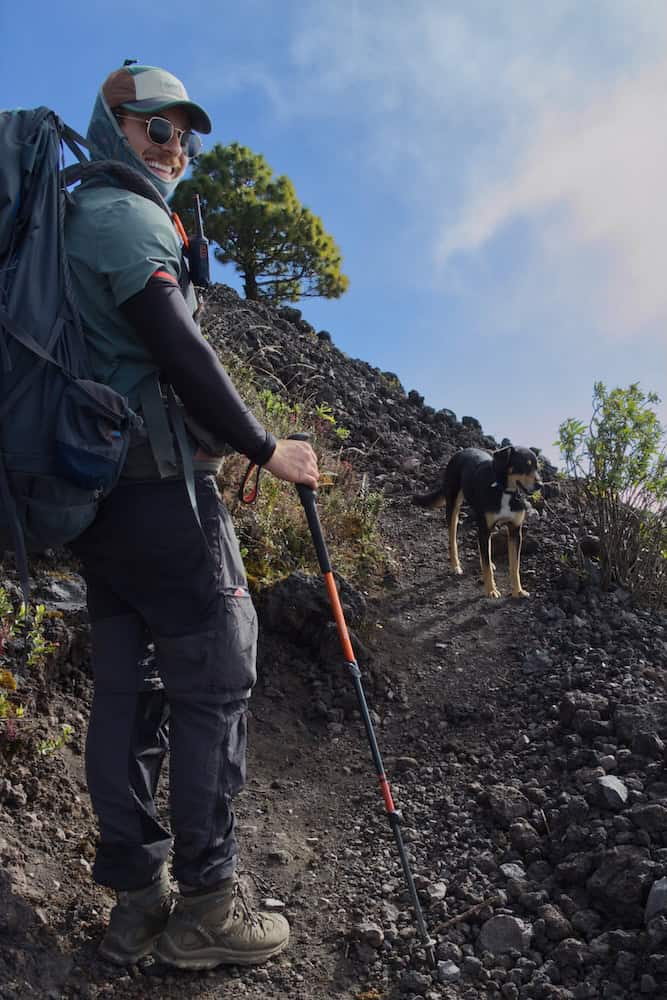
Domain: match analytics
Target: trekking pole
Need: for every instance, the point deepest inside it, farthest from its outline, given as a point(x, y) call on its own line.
point(308, 499)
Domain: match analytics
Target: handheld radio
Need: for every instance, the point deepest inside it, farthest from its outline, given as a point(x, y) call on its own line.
point(198, 251)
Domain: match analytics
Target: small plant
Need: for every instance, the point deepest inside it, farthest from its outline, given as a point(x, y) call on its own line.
point(324, 412)
point(6, 606)
point(8, 683)
point(279, 409)
point(37, 647)
point(619, 470)
point(21, 639)
point(327, 421)
point(392, 380)
point(49, 746)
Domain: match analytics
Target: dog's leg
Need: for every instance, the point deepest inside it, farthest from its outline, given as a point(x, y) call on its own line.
point(514, 536)
point(453, 510)
point(484, 538)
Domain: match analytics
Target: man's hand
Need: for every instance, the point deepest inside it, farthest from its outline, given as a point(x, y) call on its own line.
point(294, 461)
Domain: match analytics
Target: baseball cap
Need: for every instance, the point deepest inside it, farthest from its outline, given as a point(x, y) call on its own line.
point(147, 88)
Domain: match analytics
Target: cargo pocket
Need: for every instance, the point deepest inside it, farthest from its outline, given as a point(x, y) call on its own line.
point(240, 644)
point(220, 660)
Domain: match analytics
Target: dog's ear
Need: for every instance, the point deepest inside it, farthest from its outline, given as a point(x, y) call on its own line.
point(501, 461)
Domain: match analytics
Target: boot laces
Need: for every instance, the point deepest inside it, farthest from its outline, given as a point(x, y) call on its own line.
point(243, 909)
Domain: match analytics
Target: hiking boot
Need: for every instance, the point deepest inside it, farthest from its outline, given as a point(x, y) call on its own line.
point(220, 927)
point(136, 922)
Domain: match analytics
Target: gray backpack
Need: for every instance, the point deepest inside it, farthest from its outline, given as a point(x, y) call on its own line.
point(63, 436)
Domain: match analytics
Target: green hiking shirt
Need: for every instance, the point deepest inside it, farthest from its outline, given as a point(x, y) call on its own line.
point(115, 241)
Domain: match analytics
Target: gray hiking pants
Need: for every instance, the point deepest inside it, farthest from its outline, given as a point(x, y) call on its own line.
point(152, 578)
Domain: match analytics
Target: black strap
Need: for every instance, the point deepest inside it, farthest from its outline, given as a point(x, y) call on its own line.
point(178, 424)
point(73, 141)
point(157, 425)
point(30, 344)
point(27, 339)
point(16, 530)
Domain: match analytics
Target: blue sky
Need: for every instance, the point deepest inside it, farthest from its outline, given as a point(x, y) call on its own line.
point(493, 171)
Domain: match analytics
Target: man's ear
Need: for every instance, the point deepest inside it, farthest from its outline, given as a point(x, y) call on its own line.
point(501, 460)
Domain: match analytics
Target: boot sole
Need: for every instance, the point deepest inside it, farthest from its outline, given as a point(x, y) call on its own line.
point(209, 958)
point(124, 958)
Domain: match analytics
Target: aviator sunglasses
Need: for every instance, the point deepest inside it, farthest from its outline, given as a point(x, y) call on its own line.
point(161, 130)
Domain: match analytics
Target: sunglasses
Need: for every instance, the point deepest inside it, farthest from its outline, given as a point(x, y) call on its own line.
point(161, 131)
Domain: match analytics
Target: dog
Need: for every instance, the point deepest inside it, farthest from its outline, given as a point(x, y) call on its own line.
point(490, 484)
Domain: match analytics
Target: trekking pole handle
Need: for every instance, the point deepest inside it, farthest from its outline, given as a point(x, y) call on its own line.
point(308, 498)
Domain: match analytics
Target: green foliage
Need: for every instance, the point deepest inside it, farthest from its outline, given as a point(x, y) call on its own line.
point(49, 746)
point(276, 540)
point(21, 638)
point(273, 532)
point(8, 684)
point(392, 380)
point(325, 415)
point(325, 412)
point(279, 411)
point(619, 468)
point(38, 649)
point(8, 709)
point(278, 246)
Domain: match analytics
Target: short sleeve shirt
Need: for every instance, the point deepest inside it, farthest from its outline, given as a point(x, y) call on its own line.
point(115, 241)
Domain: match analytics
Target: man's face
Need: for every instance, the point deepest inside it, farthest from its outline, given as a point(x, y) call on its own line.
point(166, 161)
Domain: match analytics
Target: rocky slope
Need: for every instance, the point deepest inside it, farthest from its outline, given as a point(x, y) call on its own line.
point(524, 744)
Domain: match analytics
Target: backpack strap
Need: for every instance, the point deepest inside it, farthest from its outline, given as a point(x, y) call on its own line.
point(28, 341)
point(186, 454)
point(74, 141)
point(159, 437)
point(157, 425)
point(20, 551)
point(160, 427)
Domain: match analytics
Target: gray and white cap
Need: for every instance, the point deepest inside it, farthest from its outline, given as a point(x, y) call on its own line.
point(147, 88)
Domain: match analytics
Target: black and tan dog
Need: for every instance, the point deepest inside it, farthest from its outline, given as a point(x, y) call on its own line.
point(490, 484)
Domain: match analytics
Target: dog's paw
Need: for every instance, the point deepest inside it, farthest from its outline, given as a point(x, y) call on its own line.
point(457, 571)
point(493, 593)
point(521, 593)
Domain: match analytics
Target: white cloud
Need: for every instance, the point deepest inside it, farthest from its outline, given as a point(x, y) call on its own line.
point(483, 113)
point(604, 168)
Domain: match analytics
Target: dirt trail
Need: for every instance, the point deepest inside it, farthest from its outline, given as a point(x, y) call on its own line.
point(313, 830)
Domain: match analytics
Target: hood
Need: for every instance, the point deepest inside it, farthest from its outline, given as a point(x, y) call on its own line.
point(108, 142)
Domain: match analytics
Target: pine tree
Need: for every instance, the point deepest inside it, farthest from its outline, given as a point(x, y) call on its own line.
point(278, 246)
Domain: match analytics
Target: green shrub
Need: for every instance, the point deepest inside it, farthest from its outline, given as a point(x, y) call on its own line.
point(618, 467)
point(49, 746)
point(273, 532)
point(22, 643)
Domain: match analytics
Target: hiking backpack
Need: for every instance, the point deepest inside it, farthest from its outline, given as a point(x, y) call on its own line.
point(63, 436)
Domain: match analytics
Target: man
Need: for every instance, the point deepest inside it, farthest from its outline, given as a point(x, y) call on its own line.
point(159, 567)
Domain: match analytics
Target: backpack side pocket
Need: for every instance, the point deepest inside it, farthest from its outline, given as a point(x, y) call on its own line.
point(92, 435)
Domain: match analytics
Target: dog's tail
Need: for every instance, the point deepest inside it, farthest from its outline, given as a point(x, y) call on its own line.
point(436, 498)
